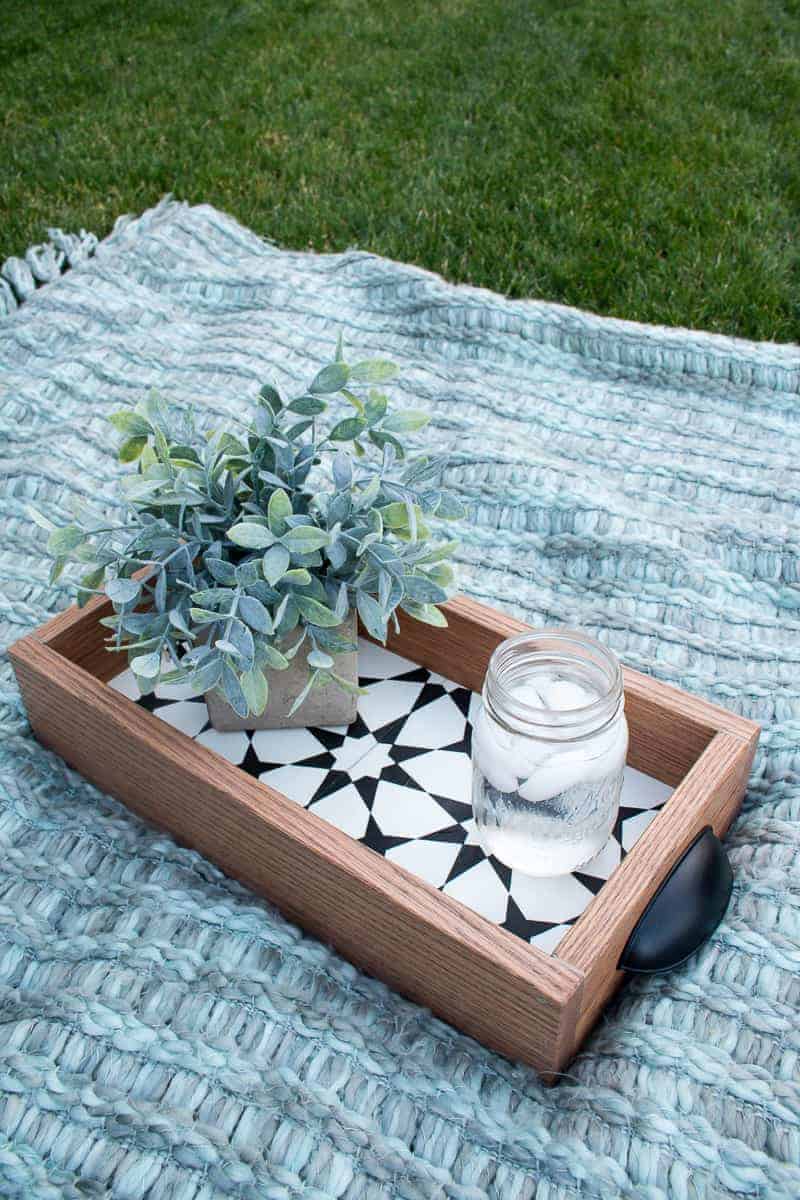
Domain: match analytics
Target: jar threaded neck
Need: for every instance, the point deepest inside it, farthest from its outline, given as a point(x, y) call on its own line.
point(566, 653)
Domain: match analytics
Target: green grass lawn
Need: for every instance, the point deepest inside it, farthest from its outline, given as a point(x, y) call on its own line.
point(637, 159)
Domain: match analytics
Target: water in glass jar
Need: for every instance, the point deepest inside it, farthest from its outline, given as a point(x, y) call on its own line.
point(545, 806)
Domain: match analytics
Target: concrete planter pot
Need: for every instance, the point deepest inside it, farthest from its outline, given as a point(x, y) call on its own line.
point(328, 705)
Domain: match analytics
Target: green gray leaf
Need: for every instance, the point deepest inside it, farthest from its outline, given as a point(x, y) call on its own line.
point(371, 615)
point(278, 509)
point(451, 508)
point(241, 637)
point(347, 685)
point(42, 521)
point(330, 378)
point(438, 553)
point(425, 612)
point(123, 591)
point(271, 397)
point(64, 540)
point(304, 539)
point(346, 430)
point(301, 697)
point(222, 571)
point(342, 469)
point(316, 613)
point(207, 676)
point(251, 536)
point(268, 655)
point(255, 690)
point(423, 590)
point(275, 563)
point(178, 620)
point(298, 577)
point(202, 616)
point(130, 449)
point(147, 666)
point(255, 614)
point(93, 579)
point(232, 691)
point(374, 370)
point(213, 596)
point(381, 439)
point(131, 423)
point(308, 406)
point(405, 421)
point(227, 647)
point(375, 407)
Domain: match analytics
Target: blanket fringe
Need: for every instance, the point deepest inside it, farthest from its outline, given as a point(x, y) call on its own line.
point(20, 277)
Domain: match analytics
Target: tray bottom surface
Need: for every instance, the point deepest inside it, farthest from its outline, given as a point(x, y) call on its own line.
point(399, 780)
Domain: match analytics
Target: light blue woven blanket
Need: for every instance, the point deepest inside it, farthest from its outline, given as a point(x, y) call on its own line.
point(166, 1035)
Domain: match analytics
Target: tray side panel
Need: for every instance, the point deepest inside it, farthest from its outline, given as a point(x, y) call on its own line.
point(76, 634)
point(510, 996)
point(710, 795)
point(669, 729)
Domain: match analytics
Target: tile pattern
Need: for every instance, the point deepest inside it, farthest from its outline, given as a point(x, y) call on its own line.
point(399, 780)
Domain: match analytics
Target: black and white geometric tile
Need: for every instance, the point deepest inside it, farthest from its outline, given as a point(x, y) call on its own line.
point(399, 780)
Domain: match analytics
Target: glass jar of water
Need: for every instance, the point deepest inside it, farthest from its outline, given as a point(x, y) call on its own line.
point(548, 750)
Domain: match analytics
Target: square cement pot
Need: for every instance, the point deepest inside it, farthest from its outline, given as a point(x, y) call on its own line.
point(327, 705)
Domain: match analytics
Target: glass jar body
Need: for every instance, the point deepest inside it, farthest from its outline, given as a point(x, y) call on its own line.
point(549, 745)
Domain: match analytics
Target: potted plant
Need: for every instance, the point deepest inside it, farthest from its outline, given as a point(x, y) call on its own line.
point(241, 556)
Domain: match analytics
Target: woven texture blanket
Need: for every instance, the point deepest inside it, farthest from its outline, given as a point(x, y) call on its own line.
point(165, 1034)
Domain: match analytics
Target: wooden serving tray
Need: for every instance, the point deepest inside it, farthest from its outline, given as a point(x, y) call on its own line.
point(530, 990)
point(399, 779)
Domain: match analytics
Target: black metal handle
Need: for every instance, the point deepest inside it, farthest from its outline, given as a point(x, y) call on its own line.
point(685, 910)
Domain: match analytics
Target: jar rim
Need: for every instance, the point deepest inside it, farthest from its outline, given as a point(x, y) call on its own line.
point(562, 646)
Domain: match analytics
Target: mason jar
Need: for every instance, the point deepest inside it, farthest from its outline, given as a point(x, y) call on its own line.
point(549, 744)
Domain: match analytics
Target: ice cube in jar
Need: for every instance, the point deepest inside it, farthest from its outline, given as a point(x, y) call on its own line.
point(493, 750)
point(549, 748)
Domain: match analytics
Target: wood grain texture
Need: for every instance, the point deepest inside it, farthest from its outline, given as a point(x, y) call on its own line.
point(482, 979)
point(77, 635)
point(669, 728)
point(709, 795)
point(521, 1002)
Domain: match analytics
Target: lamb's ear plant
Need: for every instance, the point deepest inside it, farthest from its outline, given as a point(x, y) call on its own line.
point(231, 542)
